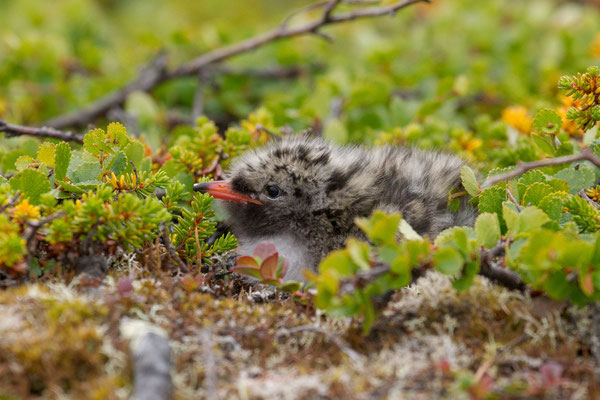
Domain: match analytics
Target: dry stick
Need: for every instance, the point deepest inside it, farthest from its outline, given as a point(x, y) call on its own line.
point(585, 155)
point(210, 365)
point(584, 196)
point(171, 249)
point(42, 132)
point(157, 73)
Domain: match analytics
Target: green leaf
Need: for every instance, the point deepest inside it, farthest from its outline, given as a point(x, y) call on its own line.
point(32, 183)
point(135, 152)
point(290, 286)
point(23, 162)
point(381, 228)
point(531, 219)
point(544, 143)
point(581, 178)
point(469, 181)
point(511, 218)
point(547, 121)
point(536, 192)
point(117, 134)
point(359, 252)
point(487, 229)
point(490, 200)
point(94, 142)
point(61, 160)
point(46, 153)
point(552, 205)
point(86, 172)
point(448, 261)
point(119, 163)
point(407, 231)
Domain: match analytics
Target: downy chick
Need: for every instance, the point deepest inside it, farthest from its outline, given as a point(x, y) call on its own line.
point(303, 194)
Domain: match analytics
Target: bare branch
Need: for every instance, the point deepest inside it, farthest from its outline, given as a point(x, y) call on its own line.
point(584, 196)
point(171, 249)
point(156, 72)
point(11, 130)
point(585, 155)
point(148, 77)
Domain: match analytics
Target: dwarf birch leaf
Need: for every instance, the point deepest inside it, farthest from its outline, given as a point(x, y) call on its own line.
point(469, 181)
point(536, 192)
point(487, 229)
point(46, 153)
point(32, 183)
point(448, 261)
point(547, 121)
point(61, 160)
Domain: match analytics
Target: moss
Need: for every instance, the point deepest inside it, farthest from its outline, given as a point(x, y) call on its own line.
point(430, 341)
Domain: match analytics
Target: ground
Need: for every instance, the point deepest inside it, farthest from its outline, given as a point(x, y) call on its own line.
point(232, 340)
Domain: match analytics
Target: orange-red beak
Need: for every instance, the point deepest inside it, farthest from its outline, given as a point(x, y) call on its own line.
point(222, 190)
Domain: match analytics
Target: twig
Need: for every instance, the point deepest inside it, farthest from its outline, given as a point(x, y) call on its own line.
point(151, 354)
point(335, 339)
point(499, 275)
point(512, 198)
point(585, 155)
point(210, 366)
point(34, 226)
point(10, 202)
point(148, 77)
point(171, 249)
point(11, 130)
point(157, 72)
point(584, 196)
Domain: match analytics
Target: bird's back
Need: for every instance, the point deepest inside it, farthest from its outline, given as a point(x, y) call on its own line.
point(407, 180)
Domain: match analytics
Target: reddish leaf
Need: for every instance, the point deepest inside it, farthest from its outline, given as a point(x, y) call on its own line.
point(264, 250)
point(125, 287)
point(586, 284)
point(189, 283)
point(269, 266)
point(248, 271)
point(282, 268)
point(246, 261)
point(551, 373)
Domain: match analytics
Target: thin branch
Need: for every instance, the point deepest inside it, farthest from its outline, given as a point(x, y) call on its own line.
point(489, 269)
point(11, 130)
point(584, 196)
point(156, 72)
point(148, 77)
point(171, 249)
point(585, 155)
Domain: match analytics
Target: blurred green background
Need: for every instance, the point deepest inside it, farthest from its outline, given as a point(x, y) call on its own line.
point(440, 74)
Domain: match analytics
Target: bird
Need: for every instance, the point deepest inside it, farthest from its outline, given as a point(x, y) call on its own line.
point(303, 194)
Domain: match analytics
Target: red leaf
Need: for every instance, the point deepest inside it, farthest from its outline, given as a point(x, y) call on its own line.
point(246, 261)
point(264, 250)
point(125, 287)
point(282, 269)
point(269, 266)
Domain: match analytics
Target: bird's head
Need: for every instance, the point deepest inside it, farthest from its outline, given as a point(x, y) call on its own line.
point(287, 184)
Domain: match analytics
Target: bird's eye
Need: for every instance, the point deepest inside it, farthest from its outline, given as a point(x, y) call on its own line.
point(273, 191)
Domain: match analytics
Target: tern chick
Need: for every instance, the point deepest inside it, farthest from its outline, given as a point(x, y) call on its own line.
point(303, 194)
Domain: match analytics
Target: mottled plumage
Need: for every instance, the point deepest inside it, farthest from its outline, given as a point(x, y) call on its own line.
point(311, 191)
